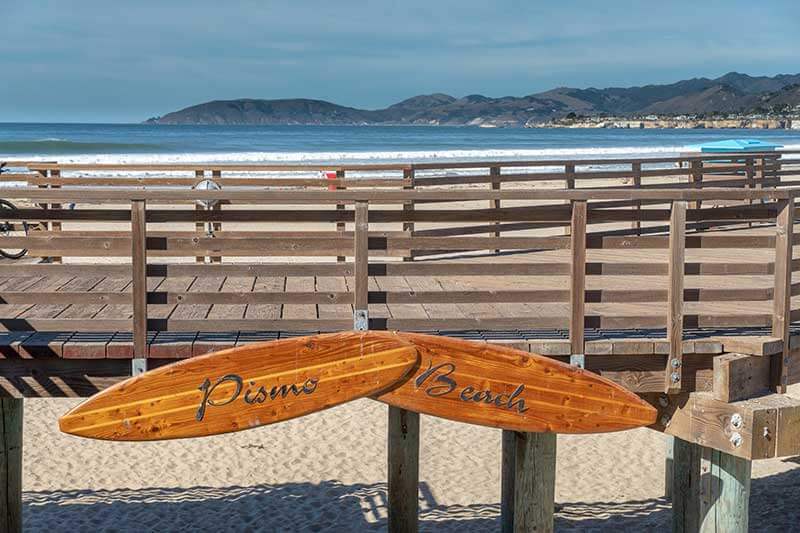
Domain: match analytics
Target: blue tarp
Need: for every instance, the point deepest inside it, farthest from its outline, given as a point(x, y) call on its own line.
point(736, 145)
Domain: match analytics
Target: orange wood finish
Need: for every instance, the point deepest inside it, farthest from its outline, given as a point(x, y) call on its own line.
point(244, 387)
point(491, 385)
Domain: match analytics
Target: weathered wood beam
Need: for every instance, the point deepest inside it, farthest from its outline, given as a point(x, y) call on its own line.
point(739, 376)
point(757, 428)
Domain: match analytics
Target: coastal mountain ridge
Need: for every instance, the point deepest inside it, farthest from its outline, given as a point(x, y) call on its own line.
point(729, 94)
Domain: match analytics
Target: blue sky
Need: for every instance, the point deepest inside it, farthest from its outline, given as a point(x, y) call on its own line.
point(115, 61)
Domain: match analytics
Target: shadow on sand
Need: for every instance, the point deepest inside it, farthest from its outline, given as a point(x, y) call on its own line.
point(333, 506)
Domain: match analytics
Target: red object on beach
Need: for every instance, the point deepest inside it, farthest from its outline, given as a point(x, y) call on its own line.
point(331, 176)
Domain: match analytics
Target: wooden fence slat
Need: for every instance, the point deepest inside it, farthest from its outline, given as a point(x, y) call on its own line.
point(677, 257)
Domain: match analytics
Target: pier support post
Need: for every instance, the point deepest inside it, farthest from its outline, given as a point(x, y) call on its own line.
point(11, 465)
point(403, 470)
point(528, 482)
point(711, 490)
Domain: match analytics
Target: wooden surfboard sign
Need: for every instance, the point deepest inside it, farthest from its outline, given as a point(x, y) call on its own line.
point(259, 384)
point(492, 385)
point(245, 387)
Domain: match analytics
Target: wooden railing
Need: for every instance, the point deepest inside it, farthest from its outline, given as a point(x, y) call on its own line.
point(467, 286)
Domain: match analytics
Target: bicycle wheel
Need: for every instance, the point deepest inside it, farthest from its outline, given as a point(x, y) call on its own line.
point(11, 228)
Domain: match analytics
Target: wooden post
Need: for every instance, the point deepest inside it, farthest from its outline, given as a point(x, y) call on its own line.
point(340, 226)
point(199, 226)
point(508, 473)
point(56, 224)
point(11, 465)
point(677, 253)
point(139, 281)
point(750, 179)
point(711, 490)
point(636, 168)
point(697, 179)
point(577, 288)
point(361, 267)
point(216, 175)
point(569, 183)
point(45, 225)
point(782, 292)
point(403, 470)
point(494, 173)
point(669, 464)
point(534, 482)
point(408, 208)
point(685, 486)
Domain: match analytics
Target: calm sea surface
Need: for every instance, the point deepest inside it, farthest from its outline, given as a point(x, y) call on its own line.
point(130, 143)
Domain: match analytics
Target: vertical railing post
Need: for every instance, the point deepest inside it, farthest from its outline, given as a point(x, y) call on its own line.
point(361, 267)
point(55, 225)
point(782, 292)
point(199, 225)
point(44, 185)
point(675, 269)
point(139, 282)
point(216, 175)
point(577, 291)
point(408, 209)
point(494, 175)
point(340, 226)
point(636, 168)
point(569, 184)
point(750, 179)
point(697, 179)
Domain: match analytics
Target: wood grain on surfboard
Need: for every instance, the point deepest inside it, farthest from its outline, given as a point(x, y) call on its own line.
point(245, 387)
point(491, 385)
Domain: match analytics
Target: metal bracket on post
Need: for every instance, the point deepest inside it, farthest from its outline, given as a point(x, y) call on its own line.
point(138, 366)
point(361, 320)
point(578, 360)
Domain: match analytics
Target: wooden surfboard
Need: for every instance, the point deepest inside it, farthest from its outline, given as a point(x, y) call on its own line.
point(244, 387)
point(490, 385)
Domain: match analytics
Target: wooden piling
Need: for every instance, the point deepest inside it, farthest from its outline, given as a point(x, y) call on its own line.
point(508, 474)
point(11, 465)
point(527, 500)
point(403, 471)
point(711, 490)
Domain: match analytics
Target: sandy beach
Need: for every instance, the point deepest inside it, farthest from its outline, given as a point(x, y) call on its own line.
point(327, 472)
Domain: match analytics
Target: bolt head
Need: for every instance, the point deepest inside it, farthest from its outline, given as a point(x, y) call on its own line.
point(737, 421)
point(663, 401)
point(675, 377)
point(736, 439)
point(675, 363)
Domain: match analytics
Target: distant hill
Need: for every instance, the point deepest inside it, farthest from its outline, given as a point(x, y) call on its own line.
point(728, 94)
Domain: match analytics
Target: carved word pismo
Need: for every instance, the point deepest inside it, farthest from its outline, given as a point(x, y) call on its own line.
point(436, 381)
point(252, 394)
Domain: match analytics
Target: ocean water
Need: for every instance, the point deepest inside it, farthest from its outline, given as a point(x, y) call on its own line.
point(131, 143)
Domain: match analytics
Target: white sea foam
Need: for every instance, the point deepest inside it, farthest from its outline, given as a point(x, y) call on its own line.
point(355, 157)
